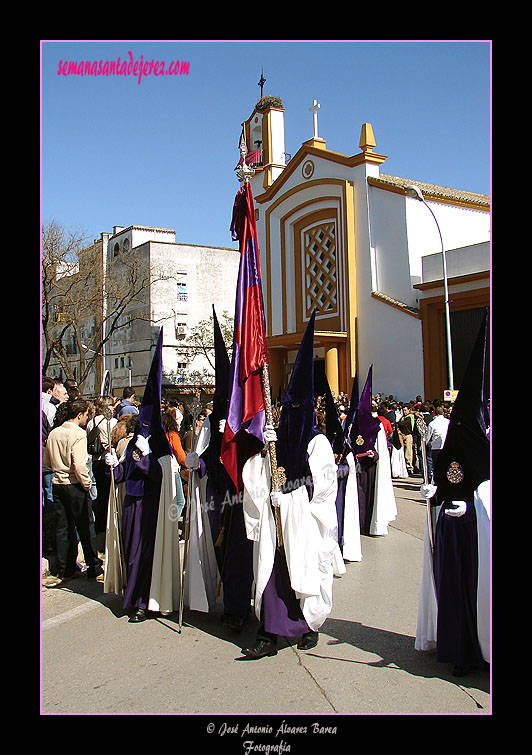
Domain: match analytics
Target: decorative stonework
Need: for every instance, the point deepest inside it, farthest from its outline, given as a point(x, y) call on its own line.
point(308, 169)
point(319, 248)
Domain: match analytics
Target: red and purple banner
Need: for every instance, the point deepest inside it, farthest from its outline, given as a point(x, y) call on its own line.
point(243, 435)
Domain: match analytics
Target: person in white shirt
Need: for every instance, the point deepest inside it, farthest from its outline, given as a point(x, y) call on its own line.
point(435, 437)
point(48, 408)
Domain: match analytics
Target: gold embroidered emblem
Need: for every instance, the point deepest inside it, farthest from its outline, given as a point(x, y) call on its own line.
point(360, 440)
point(281, 475)
point(455, 473)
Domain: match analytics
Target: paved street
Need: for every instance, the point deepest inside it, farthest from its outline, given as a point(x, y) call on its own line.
point(94, 661)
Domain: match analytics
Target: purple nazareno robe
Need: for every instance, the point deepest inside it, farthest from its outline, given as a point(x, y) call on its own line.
point(456, 582)
point(140, 510)
point(281, 610)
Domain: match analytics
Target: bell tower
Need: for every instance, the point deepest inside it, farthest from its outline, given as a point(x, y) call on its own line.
point(264, 134)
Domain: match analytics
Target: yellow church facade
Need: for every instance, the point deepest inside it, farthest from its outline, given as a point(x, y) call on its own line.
point(338, 236)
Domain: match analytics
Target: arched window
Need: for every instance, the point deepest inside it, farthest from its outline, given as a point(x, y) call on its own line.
point(317, 267)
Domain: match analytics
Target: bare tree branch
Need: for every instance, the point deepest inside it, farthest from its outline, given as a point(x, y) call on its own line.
point(87, 297)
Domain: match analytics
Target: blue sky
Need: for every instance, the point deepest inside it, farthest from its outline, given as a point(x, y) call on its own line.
point(162, 152)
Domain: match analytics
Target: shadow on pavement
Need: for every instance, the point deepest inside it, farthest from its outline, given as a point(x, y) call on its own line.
point(212, 624)
point(91, 591)
point(394, 650)
point(406, 486)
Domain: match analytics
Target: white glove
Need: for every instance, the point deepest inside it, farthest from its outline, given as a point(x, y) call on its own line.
point(275, 497)
point(221, 425)
point(459, 510)
point(192, 460)
point(143, 445)
point(427, 490)
point(111, 459)
point(270, 436)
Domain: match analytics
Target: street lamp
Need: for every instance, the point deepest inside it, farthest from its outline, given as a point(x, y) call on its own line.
point(415, 192)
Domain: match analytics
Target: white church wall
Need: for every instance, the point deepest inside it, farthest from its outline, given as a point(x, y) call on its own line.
point(459, 226)
point(387, 338)
point(391, 341)
point(389, 239)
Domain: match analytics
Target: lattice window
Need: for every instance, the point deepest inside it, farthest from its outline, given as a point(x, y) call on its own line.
point(319, 244)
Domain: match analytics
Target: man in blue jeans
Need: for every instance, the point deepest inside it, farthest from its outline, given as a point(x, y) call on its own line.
point(66, 455)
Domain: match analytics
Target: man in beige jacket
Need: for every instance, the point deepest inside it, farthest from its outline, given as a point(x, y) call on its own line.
point(66, 455)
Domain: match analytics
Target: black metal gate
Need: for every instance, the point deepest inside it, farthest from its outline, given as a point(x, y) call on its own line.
point(465, 325)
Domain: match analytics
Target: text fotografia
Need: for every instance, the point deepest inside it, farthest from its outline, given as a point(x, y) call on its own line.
point(123, 67)
point(249, 730)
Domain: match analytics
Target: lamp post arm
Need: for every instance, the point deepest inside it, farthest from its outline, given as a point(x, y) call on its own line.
point(415, 192)
point(447, 307)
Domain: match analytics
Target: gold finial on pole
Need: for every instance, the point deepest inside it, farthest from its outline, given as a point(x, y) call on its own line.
point(244, 171)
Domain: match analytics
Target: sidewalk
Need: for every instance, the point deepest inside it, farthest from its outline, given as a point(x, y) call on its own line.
point(94, 661)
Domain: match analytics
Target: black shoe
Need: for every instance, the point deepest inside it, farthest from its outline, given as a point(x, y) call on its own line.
point(139, 615)
point(460, 670)
point(73, 575)
point(261, 649)
point(308, 640)
point(233, 622)
point(93, 574)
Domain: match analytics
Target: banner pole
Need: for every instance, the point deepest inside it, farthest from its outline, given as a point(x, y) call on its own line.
point(244, 173)
point(422, 430)
point(276, 472)
point(195, 410)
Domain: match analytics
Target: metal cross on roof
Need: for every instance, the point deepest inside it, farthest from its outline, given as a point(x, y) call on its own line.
point(262, 82)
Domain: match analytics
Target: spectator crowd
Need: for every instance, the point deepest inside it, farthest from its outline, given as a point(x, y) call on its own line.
point(110, 423)
point(403, 430)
